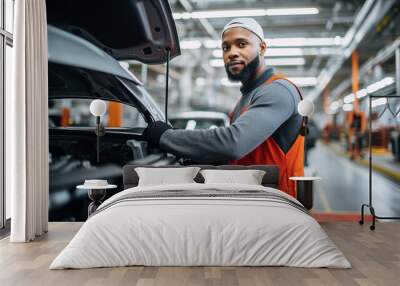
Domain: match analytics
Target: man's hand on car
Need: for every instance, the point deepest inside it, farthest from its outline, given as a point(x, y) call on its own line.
point(154, 131)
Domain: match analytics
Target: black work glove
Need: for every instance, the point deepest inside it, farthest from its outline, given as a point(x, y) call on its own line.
point(154, 131)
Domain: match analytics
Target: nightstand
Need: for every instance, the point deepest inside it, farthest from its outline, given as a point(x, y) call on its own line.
point(96, 191)
point(304, 190)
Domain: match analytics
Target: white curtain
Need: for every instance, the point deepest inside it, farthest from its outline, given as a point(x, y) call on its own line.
point(27, 124)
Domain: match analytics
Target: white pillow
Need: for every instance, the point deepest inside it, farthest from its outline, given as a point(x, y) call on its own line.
point(166, 176)
point(248, 177)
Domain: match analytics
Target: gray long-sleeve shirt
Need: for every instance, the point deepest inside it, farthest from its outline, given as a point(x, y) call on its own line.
point(272, 111)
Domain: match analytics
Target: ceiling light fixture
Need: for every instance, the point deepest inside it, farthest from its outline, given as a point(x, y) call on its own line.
point(285, 61)
point(334, 106)
point(245, 13)
point(362, 93)
point(228, 13)
point(302, 42)
point(217, 53)
point(291, 42)
point(291, 11)
point(190, 44)
point(273, 52)
point(216, 63)
point(212, 44)
point(380, 84)
point(303, 81)
point(219, 14)
point(284, 52)
point(347, 107)
point(369, 89)
point(269, 62)
point(378, 102)
point(349, 98)
point(299, 81)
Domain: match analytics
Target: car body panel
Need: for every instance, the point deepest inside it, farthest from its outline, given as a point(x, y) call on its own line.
point(68, 49)
point(79, 69)
point(141, 30)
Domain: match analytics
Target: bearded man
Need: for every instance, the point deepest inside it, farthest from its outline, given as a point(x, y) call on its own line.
point(265, 125)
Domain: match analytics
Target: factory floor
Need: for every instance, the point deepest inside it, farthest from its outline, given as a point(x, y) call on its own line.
point(344, 184)
point(383, 161)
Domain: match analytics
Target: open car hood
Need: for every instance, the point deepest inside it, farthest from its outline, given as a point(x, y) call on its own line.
point(79, 69)
point(141, 30)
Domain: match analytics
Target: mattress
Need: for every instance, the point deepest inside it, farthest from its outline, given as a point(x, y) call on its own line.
point(201, 225)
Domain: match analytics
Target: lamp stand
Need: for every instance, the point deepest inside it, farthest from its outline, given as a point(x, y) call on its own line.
point(305, 140)
point(98, 138)
point(99, 132)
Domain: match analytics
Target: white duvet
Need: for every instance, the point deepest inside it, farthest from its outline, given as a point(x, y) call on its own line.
point(200, 231)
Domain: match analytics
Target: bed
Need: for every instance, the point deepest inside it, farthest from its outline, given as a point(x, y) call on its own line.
point(197, 224)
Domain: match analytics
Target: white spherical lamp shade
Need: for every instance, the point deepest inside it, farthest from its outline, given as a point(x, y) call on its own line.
point(305, 107)
point(98, 107)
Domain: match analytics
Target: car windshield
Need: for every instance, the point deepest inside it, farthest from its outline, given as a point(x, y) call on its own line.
point(74, 112)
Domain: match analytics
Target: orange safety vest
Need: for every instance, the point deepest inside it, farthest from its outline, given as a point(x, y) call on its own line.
point(290, 163)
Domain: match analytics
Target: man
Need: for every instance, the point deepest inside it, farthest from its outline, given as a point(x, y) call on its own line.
point(357, 125)
point(265, 126)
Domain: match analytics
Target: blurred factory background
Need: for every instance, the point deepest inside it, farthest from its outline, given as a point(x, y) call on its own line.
point(312, 46)
point(338, 52)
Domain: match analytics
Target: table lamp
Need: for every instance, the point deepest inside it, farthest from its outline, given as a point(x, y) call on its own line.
point(305, 109)
point(98, 108)
point(304, 185)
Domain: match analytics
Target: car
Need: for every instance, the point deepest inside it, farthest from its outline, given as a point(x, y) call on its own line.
point(199, 120)
point(86, 42)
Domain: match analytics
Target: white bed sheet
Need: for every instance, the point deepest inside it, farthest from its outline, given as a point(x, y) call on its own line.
point(200, 231)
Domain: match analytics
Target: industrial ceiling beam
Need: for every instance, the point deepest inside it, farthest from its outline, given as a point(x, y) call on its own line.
point(371, 12)
point(398, 71)
point(204, 22)
point(381, 56)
